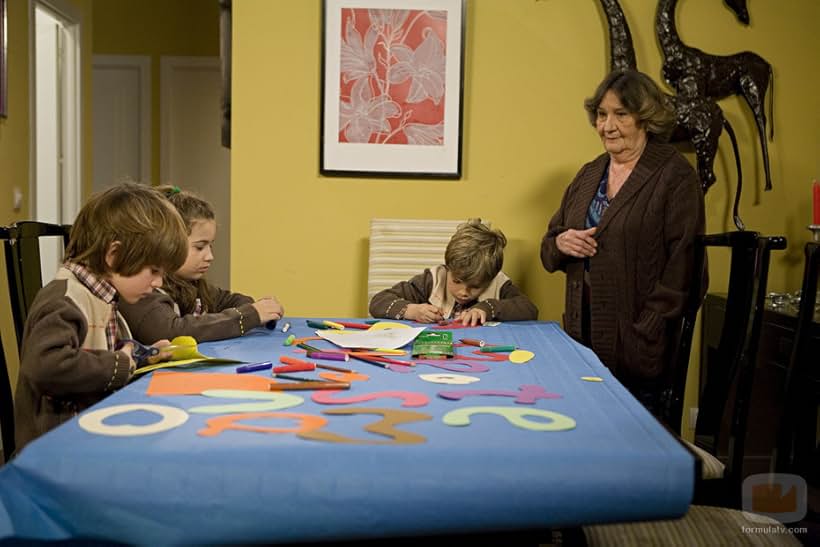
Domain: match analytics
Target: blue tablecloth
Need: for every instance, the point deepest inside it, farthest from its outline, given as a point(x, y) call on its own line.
point(617, 464)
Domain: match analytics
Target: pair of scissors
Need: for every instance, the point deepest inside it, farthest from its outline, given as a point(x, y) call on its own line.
point(142, 352)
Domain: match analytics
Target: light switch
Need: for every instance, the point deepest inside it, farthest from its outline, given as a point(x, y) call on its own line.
point(17, 198)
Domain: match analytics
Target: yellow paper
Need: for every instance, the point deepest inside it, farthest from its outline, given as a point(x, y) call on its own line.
point(521, 356)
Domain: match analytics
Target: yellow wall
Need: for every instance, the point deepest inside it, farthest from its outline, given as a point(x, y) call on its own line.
point(15, 135)
point(156, 28)
point(529, 65)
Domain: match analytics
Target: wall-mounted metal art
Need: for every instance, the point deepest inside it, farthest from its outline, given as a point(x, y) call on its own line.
point(699, 80)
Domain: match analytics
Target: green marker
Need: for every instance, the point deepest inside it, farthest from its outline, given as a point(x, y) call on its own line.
point(289, 340)
point(496, 349)
point(307, 347)
point(317, 325)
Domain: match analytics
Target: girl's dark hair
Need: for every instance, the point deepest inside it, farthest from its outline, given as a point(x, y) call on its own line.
point(184, 292)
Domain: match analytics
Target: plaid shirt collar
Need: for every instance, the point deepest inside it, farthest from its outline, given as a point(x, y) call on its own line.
point(99, 287)
point(103, 290)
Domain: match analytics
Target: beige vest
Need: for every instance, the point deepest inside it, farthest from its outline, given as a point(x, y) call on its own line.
point(442, 299)
point(96, 311)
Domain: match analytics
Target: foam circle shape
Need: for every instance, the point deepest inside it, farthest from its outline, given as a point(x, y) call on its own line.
point(455, 379)
point(520, 356)
point(171, 417)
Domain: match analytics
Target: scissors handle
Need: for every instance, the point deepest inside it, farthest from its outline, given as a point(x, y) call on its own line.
point(141, 352)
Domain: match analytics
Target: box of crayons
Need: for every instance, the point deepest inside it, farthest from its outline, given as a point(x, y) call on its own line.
point(433, 345)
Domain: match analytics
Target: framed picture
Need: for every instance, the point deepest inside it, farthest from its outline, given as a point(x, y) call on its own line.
point(392, 88)
point(4, 88)
point(225, 58)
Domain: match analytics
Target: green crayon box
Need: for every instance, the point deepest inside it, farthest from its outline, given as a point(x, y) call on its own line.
point(433, 345)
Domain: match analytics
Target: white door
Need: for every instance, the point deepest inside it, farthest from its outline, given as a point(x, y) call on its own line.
point(192, 156)
point(122, 119)
point(56, 132)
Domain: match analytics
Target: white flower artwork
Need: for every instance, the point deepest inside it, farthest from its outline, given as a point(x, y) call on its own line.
point(392, 76)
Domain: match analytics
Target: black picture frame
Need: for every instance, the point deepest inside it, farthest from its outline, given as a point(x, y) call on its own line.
point(413, 121)
point(225, 9)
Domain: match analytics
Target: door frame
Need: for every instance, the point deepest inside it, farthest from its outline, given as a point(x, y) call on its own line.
point(72, 111)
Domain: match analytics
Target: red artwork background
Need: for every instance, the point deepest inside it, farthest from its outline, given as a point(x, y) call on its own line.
point(392, 76)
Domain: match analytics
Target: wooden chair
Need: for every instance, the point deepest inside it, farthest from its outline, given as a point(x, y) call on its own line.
point(797, 440)
point(728, 380)
point(21, 242)
point(23, 265)
point(6, 394)
point(672, 403)
point(707, 524)
point(797, 444)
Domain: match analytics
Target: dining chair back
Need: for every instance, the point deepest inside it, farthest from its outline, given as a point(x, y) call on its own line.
point(727, 388)
point(797, 449)
point(672, 405)
point(6, 394)
point(24, 265)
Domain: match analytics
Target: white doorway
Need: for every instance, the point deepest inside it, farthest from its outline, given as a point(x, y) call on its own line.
point(55, 162)
point(192, 156)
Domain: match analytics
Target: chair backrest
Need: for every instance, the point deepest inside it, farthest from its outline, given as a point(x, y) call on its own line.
point(6, 401)
point(797, 450)
point(672, 406)
point(402, 248)
point(733, 368)
point(23, 265)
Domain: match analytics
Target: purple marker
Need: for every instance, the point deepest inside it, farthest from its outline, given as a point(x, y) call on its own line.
point(329, 355)
point(254, 367)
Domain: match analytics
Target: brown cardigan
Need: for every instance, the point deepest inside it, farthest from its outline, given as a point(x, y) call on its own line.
point(157, 316)
point(642, 271)
point(65, 363)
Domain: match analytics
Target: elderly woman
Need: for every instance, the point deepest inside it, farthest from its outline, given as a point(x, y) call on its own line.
point(624, 234)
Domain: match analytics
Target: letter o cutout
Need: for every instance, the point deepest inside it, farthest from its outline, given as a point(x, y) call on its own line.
point(171, 417)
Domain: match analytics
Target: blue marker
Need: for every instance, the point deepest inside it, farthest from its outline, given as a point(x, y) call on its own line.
point(254, 367)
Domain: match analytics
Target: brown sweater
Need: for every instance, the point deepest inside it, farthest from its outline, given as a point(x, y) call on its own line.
point(65, 364)
point(156, 317)
point(502, 301)
point(642, 271)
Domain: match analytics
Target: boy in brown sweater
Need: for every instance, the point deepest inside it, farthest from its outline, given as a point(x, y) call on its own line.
point(122, 242)
point(469, 287)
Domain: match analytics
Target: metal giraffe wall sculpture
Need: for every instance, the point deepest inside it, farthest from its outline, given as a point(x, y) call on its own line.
point(691, 71)
point(700, 120)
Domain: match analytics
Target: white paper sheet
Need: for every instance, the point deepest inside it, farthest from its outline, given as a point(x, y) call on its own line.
point(372, 339)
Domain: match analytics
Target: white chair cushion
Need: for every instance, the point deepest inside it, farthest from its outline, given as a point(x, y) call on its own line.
point(701, 526)
point(712, 467)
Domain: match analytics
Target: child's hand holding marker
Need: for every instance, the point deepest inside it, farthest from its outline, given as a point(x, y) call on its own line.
point(423, 313)
point(269, 309)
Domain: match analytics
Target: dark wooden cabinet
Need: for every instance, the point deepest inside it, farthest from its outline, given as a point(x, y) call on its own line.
point(774, 352)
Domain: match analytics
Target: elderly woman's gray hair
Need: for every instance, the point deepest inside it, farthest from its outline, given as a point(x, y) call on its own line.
point(641, 96)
